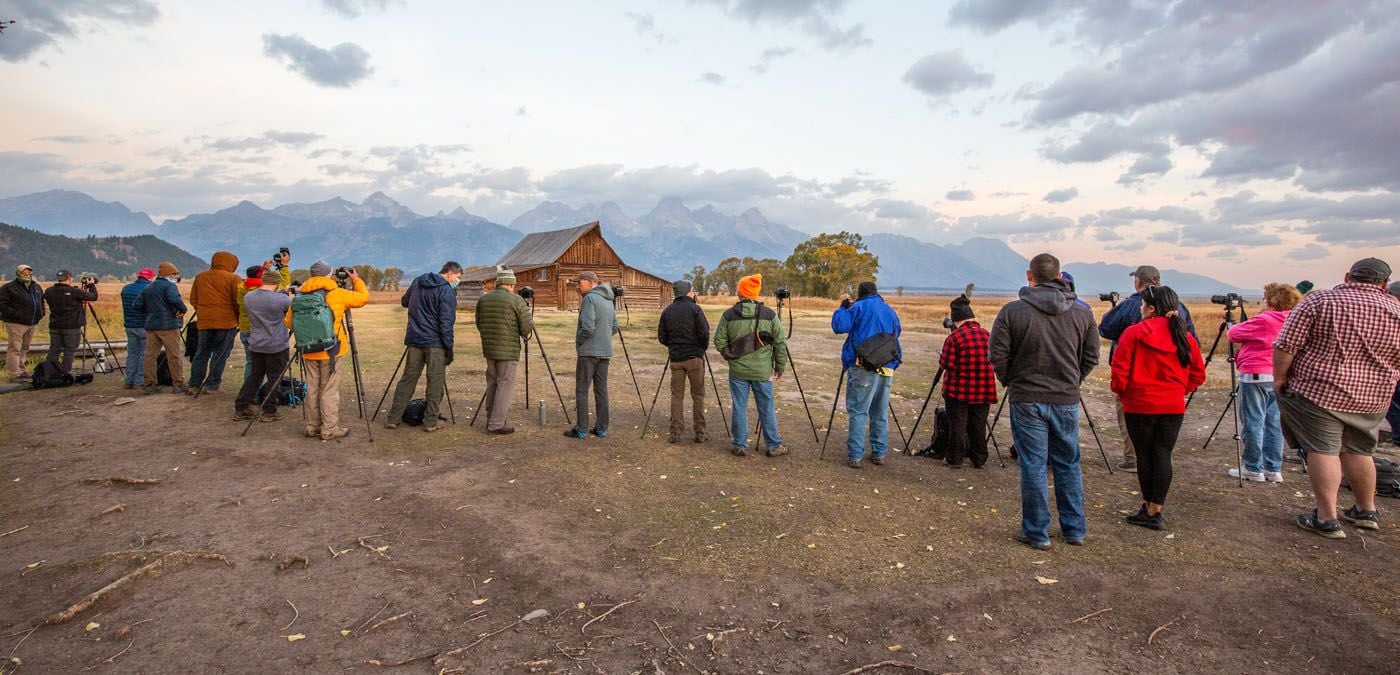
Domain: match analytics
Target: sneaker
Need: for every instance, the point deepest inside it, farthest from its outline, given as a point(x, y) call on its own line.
point(436, 426)
point(673, 438)
point(702, 437)
point(338, 432)
point(128, 385)
point(739, 452)
point(574, 433)
point(1273, 476)
point(1037, 545)
point(391, 425)
point(877, 461)
point(312, 432)
point(1362, 520)
point(853, 463)
point(1141, 519)
point(245, 414)
point(1130, 467)
point(1332, 529)
point(272, 416)
point(503, 431)
point(151, 389)
point(777, 450)
point(600, 433)
point(1252, 476)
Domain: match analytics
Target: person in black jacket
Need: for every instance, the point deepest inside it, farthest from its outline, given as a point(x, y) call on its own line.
point(67, 317)
point(21, 308)
point(685, 332)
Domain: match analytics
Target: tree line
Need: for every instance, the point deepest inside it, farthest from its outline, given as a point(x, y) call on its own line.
point(825, 266)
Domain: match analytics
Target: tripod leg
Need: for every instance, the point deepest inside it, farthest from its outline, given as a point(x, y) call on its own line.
point(1219, 421)
point(107, 340)
point(476, 412)
point(654, 399)
point(895, 419)
point(840, 382)
point(305, 416)
point(992, 431)
point(447, 394)
point(640, 401)
point(1095, 432)
point(527, 374)
point(913, 433)
point(802, 392)
point(545, 357)
point(389, 385)
point(718, 401)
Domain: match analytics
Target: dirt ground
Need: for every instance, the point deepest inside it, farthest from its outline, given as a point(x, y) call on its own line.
point(647, 557)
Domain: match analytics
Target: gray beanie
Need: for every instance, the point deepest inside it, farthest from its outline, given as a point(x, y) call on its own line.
point(320, 268)
point(682, 288)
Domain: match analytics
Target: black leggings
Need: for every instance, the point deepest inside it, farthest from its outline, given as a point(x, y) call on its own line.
point(1153, 438)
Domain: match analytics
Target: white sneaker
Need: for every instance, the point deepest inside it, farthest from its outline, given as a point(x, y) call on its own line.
point(1274, 476)
point(1254, 476)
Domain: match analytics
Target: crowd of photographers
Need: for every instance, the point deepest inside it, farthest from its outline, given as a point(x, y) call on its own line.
point(1317, 371)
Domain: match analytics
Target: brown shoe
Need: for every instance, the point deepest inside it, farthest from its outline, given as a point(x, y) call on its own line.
point(313, 432)
point(877, 461)
point(273, 416)
point(503, 431)
point(338, 432)
point(702, 437)
point(436, 426)
point(854, 464)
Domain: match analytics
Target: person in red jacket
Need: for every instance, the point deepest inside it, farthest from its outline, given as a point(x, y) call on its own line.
point(1156, 365)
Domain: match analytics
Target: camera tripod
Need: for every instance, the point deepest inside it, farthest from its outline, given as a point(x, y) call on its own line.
point(110, 350)
point(550, 369)
point(446, 391)
point(355, 363)
point(662, 380)
point(621, 338)
point(991, 432)
point(793, 365)
point(1232, 402)
point(913, 433)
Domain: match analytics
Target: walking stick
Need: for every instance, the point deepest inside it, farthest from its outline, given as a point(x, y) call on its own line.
point(718, 401)
point(914, 433)
point(402, 358)
point(661, 380)
point(840, 382)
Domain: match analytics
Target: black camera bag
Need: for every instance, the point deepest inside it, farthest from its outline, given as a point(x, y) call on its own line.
point(47, 375)
point(877, 351)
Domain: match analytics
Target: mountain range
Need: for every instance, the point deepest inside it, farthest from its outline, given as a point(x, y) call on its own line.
point(121, 256)
point(668, 240)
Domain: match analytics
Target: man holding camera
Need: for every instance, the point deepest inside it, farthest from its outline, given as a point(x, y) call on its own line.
point(432, 310)
point(597, 322)
point(750, 338)
point(503, 320)
point(67, 317)
point(21, 308)
point(283, 263)
point(1118, 319)
point(869, 357)
point(1335, 363)
point(1042, 347)
point(215, 299)
point(685, 332)
point(322, 376)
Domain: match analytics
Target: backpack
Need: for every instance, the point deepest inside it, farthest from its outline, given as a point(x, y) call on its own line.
point(938, 447)
point(877, 351)
point(191, 339)
point(313, 324)
point(47, 375)
point(415, 412)
point(289, 392)
point(163, 377)
point(1387, 478)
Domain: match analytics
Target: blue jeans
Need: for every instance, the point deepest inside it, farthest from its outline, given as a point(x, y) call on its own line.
point(210, 356)
point(867, 403)
point(247, 356)
point(1393, 417)
point(135, 356)
point(1041, 429)
point(1260, 427)
point(739, 415)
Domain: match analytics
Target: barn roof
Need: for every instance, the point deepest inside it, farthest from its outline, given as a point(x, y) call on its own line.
point(543, 248)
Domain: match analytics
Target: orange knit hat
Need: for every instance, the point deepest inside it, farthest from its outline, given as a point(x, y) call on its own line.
point(749, 286)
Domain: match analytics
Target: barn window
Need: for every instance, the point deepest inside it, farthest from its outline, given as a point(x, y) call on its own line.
point(542, 275)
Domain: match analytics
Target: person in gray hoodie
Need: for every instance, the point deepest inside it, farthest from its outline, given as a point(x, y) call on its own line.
point(1042, 347)
point(268, 340)
point(597, 321)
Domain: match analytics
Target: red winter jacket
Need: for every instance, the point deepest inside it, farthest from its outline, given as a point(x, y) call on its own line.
point(1147, 376)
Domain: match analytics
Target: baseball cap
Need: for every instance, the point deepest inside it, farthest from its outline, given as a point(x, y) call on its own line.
point(591, 276)
point(146, 273)
point(1147, 273)
point(22, 267)
point(63, 275)
point(1369, 269)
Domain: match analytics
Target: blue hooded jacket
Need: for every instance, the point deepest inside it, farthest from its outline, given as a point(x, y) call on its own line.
point(1128, 312)
point(159, 302)
point(432, 311)
point(867, 317)
point(130, 317)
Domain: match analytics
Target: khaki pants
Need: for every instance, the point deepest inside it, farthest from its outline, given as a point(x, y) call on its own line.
point(20, 336)
point(1129, 454)
point(323, 396)
point(416, 359)
point(500, 384)
point(174, 356)
point(692, 371)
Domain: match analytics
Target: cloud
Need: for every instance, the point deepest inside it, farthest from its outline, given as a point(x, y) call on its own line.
point(990, 16)
point(959, 196)
point(1359, 220)
point(70, 140)
point(711, 78)
point(813, 17)
point(944, 73)
point(1227, 252)
point(1062, 195)
point(354, 8)
point(268, 139)
point(1144, 166)
point(768, 57)
point(1016, 226)
point(340, 66)
point(1308, 252)
point(646, 27)
point(41, 23)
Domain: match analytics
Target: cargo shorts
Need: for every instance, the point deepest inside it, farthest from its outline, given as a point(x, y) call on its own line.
point(1321, 431)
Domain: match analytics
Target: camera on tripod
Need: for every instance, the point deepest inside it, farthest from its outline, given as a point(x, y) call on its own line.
point(342, 276)
point(1112, 298)
point(1229, 301)
point(280, 259)
point(949, 323)
point(89, 281)
point(617, 291)
point(525, 292)
point(782, 294)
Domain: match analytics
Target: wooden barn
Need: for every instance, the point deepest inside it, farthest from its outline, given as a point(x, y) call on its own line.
point(547, 261)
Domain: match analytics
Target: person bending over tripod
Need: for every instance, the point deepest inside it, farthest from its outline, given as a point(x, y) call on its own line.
point(750, 338)
point(267, 346)
point(597, 322)
point(503, 320)
point(1157, 364)
point(1263, 434)
point(685, 332)
point(322, 376)
point(869, 358)
point(428, 342)
point(214, 295)
point(969, 386)
point(67, 317)
point(163, 309)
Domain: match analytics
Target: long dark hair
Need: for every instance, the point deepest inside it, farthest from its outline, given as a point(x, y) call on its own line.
point(1165, 303)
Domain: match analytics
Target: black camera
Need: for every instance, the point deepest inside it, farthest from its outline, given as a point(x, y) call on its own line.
point(949, 323)
point(342, 276)
point(280, 260)
point(89, 281)
point(1229, 300)
point(525, 292)
point(617, 291)
point(782, 294)
point(1111, 298)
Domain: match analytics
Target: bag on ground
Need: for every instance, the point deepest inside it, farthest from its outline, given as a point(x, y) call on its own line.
point(289, 392)
point(938, 447)
point(47, 375)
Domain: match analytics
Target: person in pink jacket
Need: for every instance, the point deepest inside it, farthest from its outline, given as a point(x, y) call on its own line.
point(1254, 357)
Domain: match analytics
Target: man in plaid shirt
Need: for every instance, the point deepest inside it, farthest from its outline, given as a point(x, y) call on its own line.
point(969, 386)
point(1335, 364)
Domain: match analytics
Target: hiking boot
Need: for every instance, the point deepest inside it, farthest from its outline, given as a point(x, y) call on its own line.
point(1141, 519)
point(271, 415)
point(951, 465)
point(853, 463)
point(1130, 467)
point(1037, 545)
point(574, 433)
point(503, 431)
point(191, 391)
point(702, 437)
point(600, 433)
point(436, 426)
point(151, 389)
point(1273, 476)
point(128, 386)
point(777, 450)
point(1362, 520)
point(877, 461)
point(739, 452)
point(673, 438)
point(338, 432)
point(244, 414)
point(1252, 476)
point(1332, 529)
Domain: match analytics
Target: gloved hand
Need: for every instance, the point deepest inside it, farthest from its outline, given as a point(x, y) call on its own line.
point(846, 302)
point(447, 358)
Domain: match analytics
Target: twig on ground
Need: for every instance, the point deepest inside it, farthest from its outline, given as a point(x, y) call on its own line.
point(721, 634)
point(114, 509)
point(148, 568)
point(1162, 628)
point(561, 650)
point(1086, 617)
point(386, 622)
point(333, 553)
point(361, 541)
point(484, 637)
point(126, 630)
point(123, 480)
point(296, 614)
point(404, 662)
point(616, 607)
point(18, 529)
point(21, 640)
point(376, 615)
point(289, 561)
point(111, 658)
point(900, 665)
point(673, 649)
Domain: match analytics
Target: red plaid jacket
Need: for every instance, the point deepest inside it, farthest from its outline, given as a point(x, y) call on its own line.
point(968, 374)
point(1346, 348)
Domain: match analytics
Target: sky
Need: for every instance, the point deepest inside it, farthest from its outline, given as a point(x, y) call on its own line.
point(1244, 140)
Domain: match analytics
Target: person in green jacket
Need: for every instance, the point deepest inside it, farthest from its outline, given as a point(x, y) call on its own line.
point(597, 322)
point(503, 320)
point(750, 338)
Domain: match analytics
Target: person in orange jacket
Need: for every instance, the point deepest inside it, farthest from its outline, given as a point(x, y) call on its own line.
point(214, 295)
point(322, 376)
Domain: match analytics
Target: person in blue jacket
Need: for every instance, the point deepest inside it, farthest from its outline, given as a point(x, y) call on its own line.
point(135, 323)
point(1126, 313)
point(872, 333)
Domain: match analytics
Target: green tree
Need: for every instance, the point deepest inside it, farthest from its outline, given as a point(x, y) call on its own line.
point(829, 265)
point(697, 279)
point(393, 276)
point(725, 277)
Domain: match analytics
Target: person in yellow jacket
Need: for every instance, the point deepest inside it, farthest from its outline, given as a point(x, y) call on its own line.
point(322, 378)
